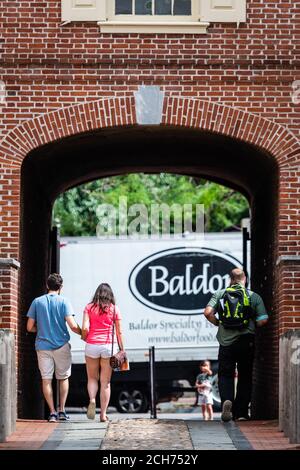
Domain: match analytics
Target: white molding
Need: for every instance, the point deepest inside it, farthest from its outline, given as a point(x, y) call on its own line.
point(203, 13)
point(288, 259)
point(94, 10)
point(10, 263)
point(167, 27)
point(223, 11)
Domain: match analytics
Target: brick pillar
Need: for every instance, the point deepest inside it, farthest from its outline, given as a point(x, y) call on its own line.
point(289, 334)
point(288, 292)
point(9, 302)
point(9, 294)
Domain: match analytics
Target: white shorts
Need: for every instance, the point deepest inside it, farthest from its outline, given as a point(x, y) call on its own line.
point(205, 399)
point(55, 360)
point(95, 351)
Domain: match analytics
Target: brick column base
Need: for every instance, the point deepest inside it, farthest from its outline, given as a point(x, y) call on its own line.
point(9, 294)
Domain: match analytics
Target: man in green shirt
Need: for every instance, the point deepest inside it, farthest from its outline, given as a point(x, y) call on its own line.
point(236, 349)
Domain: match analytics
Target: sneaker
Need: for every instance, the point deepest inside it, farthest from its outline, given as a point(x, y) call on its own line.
point(62, 416)
point(226, 411)
point(91, 411)
point(52, 418)
point(242, 418)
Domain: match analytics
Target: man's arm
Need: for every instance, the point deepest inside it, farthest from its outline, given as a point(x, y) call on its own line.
point(262, 316)
point(210, 314)
point(31, 315)
point(261, 323)
point(73, 325)
point(69, 317)
point(31, 326)
point(85, 326)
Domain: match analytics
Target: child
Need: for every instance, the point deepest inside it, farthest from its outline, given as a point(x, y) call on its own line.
point(204, 387)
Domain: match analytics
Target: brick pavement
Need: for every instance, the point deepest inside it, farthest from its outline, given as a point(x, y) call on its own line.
point(29, 435)
point(265, 435)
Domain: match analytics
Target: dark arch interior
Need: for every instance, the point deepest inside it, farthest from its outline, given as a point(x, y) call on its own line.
point(56, 167)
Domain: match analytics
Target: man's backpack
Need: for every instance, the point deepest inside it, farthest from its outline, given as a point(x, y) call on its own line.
point(234, 308)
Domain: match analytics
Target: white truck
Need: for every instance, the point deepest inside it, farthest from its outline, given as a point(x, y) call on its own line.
point(162, 287)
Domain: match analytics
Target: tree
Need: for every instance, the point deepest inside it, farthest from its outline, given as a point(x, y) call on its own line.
point(75, 210)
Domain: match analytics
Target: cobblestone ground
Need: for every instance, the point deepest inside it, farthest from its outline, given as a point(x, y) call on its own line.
point(147, 434)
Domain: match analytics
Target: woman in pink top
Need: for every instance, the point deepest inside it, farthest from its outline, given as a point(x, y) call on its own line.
point(97, 331)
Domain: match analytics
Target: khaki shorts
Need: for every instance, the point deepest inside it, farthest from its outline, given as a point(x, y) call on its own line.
point(55, 360)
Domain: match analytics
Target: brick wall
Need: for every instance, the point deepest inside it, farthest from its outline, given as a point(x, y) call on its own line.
point(47, 66)
point(234, 81)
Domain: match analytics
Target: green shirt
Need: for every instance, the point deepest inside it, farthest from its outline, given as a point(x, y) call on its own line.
point(228, 336)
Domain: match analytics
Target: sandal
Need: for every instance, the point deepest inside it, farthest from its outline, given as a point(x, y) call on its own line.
point(91, 411)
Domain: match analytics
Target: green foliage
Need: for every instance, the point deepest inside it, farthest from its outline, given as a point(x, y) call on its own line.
point(75, 210)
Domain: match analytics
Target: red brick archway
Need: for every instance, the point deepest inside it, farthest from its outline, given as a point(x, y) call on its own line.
point(268, 137)
point(274, 138)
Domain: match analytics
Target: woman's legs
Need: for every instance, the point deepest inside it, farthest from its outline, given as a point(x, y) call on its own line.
point(92, 368)
point(105, 376)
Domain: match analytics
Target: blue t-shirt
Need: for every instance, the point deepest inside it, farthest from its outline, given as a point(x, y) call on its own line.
point(50, 312)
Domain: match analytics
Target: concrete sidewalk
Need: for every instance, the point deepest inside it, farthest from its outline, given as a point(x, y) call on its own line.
point(146, 434)
point(76, 435)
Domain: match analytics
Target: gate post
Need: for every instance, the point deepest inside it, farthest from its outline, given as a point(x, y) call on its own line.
point(8, 396)
point(152, 383)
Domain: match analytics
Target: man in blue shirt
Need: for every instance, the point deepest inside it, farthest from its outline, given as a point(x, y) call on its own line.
point(48, 316)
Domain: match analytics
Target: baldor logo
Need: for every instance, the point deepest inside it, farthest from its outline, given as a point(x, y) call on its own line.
point(180, 281)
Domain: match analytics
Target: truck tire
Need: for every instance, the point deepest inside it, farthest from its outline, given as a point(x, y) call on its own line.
point(132, 401)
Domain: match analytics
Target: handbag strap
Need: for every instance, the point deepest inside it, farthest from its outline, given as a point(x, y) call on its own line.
point(113, 334)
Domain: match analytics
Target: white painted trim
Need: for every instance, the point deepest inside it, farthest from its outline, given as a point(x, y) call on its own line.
point(195, 14)
point(9, 262)
point(223, 11)
point(167, 27)
point(288, 259)
point(93, 11)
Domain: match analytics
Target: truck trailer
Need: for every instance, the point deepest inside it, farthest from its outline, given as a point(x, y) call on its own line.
point(162, 286)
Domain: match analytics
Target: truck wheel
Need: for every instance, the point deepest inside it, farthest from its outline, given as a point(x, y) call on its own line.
point(132, 401)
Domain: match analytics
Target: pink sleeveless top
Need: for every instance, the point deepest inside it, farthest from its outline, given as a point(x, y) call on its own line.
point(101, 323)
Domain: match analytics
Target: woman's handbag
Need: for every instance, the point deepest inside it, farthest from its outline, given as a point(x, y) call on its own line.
point(119, 360)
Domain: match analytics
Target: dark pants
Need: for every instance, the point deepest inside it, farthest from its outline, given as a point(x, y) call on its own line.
point(240, 354)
